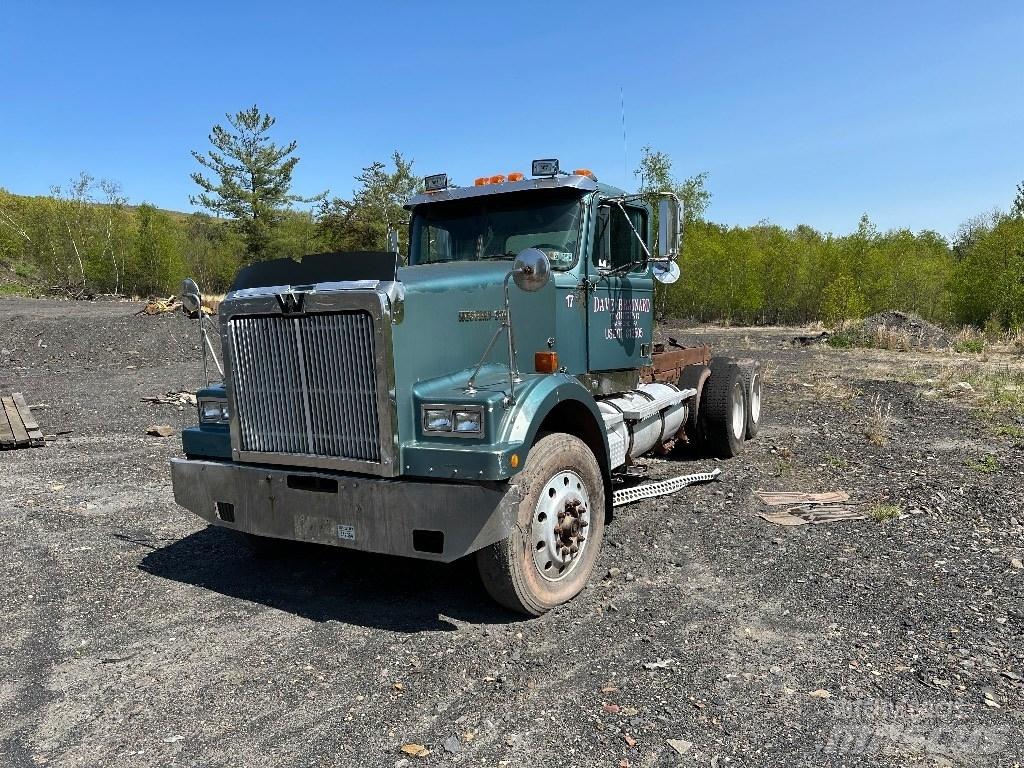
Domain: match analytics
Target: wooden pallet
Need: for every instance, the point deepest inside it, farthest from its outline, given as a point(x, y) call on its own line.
point(18, 427)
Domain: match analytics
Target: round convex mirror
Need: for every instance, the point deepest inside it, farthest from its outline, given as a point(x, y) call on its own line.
point(190, 295)
point(531, 270)
point(665, 272)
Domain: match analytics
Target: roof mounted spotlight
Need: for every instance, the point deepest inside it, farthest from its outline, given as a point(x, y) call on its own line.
point(436, 183)
point(545, 167)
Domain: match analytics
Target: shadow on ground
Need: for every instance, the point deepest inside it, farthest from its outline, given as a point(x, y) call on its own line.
point(323, 583)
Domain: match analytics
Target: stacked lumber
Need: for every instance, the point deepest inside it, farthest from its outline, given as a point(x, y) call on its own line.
point(18, 427)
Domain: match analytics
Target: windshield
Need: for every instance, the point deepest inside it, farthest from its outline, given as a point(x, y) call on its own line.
point(499, 227)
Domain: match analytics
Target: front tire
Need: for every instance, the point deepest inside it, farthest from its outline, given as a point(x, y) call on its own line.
point(551, 553)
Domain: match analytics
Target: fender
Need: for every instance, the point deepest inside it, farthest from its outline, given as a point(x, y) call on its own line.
point(537, 398)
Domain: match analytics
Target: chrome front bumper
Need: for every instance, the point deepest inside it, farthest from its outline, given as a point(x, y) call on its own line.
point(429, 520)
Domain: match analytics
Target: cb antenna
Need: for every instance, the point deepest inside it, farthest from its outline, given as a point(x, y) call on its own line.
point(625, 153)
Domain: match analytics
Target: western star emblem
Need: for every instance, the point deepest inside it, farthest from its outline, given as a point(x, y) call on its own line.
point(291, 303)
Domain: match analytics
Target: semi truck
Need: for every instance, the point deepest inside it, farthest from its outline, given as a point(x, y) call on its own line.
point(487, 394)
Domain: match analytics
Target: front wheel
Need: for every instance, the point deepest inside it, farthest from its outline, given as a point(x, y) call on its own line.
point(557, 538)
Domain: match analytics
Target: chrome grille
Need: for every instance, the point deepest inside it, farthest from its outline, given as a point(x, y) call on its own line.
point(306, 385)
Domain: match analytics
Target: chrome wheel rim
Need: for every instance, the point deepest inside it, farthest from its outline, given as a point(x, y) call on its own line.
point(755, 398)
point(739, 418)
point(561, 521)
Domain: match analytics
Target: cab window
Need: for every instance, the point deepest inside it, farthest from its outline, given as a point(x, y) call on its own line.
point(615, 244)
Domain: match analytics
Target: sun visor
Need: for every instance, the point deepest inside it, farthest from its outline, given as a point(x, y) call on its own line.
point(341, 266)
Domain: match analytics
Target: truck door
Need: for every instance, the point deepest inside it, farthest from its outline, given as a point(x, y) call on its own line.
point(620, 311)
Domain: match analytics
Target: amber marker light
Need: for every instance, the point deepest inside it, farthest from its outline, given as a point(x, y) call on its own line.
point(514, 461)
point(515, 176)
point(497, 179)
point(545, 362)
point(480, 181)
point(584, 172)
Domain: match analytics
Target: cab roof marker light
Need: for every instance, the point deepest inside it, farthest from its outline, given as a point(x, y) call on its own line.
point(515, 176)
point(585, 172)
point(481, 181)
point(497, 179)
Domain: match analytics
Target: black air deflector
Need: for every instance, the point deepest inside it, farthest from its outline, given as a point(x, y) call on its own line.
point(319, 268)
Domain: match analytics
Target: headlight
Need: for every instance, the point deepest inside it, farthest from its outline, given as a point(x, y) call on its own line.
point(466, 421)
point(457, 421)
point(213, 411)
point(437, 420)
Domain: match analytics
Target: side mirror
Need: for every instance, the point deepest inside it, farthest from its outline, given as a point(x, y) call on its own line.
point(190, 299)
point(665, 272)
point(531, 270)
point(668, 227)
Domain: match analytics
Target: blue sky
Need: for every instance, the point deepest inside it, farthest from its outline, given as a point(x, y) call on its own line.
point(801, 112)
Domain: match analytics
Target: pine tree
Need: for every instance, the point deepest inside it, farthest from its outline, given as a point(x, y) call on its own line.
point(253, 178)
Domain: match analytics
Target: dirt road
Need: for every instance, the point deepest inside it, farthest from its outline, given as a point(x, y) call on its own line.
point(133, 635)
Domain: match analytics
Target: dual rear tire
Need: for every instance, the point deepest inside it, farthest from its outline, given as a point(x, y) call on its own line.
point(730, 406)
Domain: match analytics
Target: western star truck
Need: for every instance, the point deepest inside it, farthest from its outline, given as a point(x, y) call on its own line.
point(488, 395)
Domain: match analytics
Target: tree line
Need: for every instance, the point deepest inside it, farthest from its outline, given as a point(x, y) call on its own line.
point(84, 239)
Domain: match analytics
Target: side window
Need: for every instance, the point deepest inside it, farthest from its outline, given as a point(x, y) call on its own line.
point(615, 244)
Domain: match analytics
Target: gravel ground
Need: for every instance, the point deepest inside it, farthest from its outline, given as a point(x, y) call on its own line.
point(136, 636)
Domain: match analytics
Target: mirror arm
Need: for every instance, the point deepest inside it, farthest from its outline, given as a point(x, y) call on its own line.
point(213, 353)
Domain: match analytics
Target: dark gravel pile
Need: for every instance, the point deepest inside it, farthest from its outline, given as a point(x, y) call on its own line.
point(918, 332)
point(135, 636)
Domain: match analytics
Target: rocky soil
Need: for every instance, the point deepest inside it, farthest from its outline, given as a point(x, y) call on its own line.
point(133, 635)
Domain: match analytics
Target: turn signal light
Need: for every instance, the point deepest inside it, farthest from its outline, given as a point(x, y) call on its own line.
point(584, 172)
point(515, 176)
point(498, 179)
point(545, 362)
point(481, 181)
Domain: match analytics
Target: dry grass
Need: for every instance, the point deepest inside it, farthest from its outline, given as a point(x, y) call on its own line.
point(891, 339)
point(212, 300)
point(831, 388)
point(878, 427)
point(991, 386)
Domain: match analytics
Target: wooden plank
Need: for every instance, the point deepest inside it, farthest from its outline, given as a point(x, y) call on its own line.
point(17, 426)
point(25, 411)
point(6, 434)
point(35, 436)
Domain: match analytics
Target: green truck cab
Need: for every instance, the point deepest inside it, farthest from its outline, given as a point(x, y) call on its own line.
point(484, 398)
